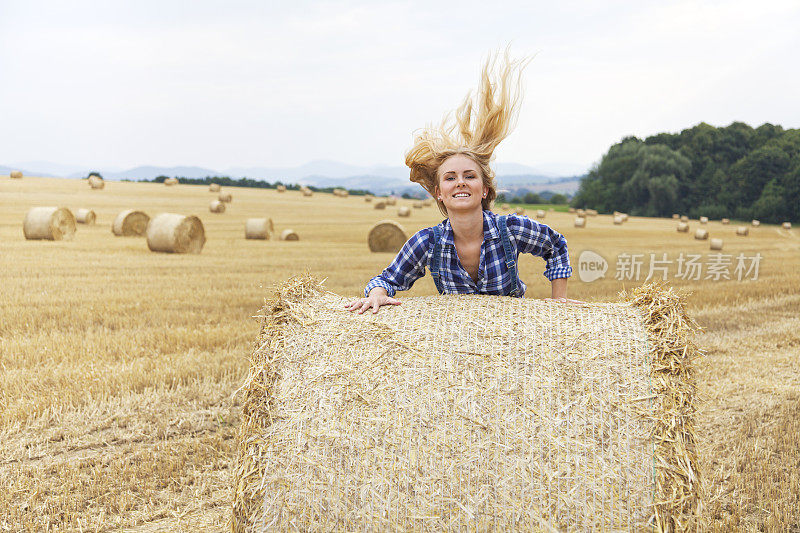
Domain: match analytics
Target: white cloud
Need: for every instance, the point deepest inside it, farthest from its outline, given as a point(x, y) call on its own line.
point(252, 83)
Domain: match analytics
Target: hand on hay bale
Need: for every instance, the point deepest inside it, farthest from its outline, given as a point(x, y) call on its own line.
point(564, 301)
point(377, 297)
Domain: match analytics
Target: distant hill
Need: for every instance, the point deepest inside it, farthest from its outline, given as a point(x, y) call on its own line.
point(319, 173)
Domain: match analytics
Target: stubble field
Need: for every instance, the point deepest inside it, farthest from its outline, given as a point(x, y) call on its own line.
point(119, 366)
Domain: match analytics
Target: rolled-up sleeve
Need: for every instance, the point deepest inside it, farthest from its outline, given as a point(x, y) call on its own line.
point(543, 241)
point(407, 267)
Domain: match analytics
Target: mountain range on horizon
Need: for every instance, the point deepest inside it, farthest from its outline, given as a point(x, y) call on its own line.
point(319, 173)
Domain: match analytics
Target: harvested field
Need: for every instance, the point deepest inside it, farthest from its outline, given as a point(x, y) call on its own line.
point(117, 405)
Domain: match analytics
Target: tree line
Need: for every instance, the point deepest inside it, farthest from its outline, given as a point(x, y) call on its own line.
point(227, 181)
point(735, 171)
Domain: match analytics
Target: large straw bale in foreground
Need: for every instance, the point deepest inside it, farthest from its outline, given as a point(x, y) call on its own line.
point(468, 413)
point(257, 228)
point(85, 216)
point(386, 236)
point(49, 223)
point(172, 233)
point(130, 223)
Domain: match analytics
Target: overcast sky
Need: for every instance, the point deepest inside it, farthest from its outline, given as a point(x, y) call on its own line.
point(277, 83)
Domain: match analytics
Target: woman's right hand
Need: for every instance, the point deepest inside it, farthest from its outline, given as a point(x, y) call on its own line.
point(377, 298)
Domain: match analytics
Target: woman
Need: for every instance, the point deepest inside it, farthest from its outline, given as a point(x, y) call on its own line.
point(472, 250)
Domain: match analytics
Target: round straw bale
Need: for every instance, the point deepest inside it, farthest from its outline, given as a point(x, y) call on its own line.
point(618, 220)
point(675, 216)
point(756, 223)
point(225, 197)
point(786, 225)
point(683, 227)
point(380, 205)
point(540, 213)
point(386, 236)
point(368, 198)
point(49, 223)
point(704, 220)
point(216, 206)
point(591, 212)
point(257, 228)
point(307, 191)
point(271, 225)
point(581, 212)
point(505, 207)
point(281, 188)
point(85, 216)
point(725, 221)
point(520, 211)
point(213, 187)
point(580, 222)
point(130, 223)
point(15, 175)
point(403, 211)
point(417, 205)
point(701, 234)
point(96, 183)
point(172, 233)
point(289, 235)
point(684, 218)
point(391, 200)
point(624, 217)
point(716, 244)
point(427, 202)
point(171, 181)
point(742, 230)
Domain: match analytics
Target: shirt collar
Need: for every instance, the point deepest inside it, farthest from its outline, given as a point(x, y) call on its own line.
point(490, 231)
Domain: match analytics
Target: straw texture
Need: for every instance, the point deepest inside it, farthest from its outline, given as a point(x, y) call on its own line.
point(49, 223)
point(130, 223)
point(85, 216)
point(216, 206)
point(386, 236)
point(468, 413)
point(257, 228)
point(173, 233)
point(289, 235)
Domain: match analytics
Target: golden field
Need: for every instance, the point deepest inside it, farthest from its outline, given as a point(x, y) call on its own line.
point(119, 366)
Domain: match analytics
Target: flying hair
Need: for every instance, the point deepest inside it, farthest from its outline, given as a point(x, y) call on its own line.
point(476, 128)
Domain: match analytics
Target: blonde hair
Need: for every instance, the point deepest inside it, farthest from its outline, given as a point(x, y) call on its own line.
point(478, 128)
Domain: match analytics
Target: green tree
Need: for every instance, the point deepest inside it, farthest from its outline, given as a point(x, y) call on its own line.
point(533, 198)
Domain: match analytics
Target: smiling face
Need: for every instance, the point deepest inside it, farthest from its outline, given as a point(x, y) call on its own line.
point(461, 186)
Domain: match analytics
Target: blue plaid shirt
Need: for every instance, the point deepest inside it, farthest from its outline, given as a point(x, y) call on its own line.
point(527, 236)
